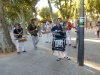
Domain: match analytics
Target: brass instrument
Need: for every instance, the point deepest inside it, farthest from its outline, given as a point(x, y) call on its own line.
point(64, 26)
point(36, 31)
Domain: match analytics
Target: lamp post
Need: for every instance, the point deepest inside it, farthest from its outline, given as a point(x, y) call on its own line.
point(81, 36)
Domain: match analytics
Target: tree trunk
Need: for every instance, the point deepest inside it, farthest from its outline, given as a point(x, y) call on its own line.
point(31, 13)
point(51, 12)
point(23, 20)
point(6, 44)
point(61, 11)
point(12, 24)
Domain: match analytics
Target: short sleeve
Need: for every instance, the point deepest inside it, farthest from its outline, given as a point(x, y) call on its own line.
point(14, 31)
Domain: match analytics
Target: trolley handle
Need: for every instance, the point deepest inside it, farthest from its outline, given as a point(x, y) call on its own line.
point(57, 31)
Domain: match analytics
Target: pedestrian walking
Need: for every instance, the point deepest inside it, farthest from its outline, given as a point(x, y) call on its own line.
point(58, 27)
point(98, 28)
point(33, 30)
point(39, 31)
point(77, 34)
point(18, 33)
point(48, 31)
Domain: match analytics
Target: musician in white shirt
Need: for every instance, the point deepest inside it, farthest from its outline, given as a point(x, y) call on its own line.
point(48, 31)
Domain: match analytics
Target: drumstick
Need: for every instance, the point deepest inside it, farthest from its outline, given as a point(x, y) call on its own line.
point(20, 32)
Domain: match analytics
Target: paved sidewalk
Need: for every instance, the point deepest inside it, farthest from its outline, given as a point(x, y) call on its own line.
point(42, 62)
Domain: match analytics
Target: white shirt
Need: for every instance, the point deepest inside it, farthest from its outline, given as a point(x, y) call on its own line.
point(48, 27)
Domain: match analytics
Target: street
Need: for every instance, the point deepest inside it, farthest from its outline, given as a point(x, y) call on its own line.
point(43, 62)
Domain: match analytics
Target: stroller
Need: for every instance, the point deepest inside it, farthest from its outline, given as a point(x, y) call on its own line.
point(59, 41)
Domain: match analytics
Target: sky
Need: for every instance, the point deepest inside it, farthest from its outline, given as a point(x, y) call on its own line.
point(44, 3)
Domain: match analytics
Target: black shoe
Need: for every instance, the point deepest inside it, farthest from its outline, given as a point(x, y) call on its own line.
point(69, 44)
point(67, 58)
point(74, 46)
point(18, 52)
point(24, 51)
point(36, 47)
point(58, 59)
point(46, 42)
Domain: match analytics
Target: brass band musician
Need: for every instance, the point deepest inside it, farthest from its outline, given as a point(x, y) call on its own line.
point(33, 30)
point(18, 32)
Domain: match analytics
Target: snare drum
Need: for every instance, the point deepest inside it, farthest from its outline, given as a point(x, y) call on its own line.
point(22, 40)
point(45, 32)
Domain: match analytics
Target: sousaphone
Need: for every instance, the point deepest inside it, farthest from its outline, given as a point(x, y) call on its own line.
point(64, 26)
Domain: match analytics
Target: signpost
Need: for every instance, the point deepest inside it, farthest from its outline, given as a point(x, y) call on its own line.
point(81, 36)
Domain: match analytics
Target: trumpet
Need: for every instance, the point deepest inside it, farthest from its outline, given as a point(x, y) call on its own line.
point(35, 31)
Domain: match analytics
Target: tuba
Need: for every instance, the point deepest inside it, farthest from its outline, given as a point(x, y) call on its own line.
point(64, 26)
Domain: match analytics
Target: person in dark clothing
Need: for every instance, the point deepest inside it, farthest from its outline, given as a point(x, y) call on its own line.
point(18, 32)
point(33, 30)
point(58, 27)
point(98, 28)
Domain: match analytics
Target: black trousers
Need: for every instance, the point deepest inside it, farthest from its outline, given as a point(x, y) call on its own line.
point(98, 33)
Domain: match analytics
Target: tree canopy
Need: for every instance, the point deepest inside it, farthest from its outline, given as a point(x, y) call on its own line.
point(71, 8)
point(15, 8)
